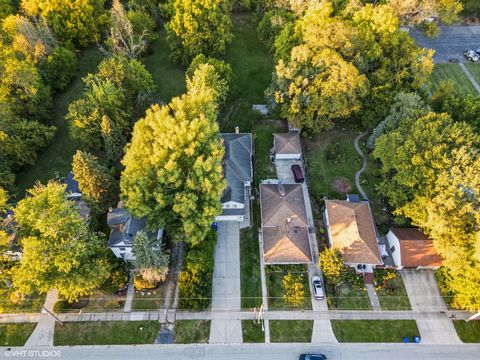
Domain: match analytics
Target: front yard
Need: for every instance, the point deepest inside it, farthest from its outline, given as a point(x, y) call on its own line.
point(374, 330)
point(444, 72)
point(468, 332)
point(15, 334)
point(350, 294)
point(394, 295)
point(30, 304)
point(106, 333)
point(149, 299)
point(299, 331)
point(274, 275)
point(99, 301)
point(191, 331)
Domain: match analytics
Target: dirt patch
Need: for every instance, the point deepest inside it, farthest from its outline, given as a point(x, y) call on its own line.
point(341, 185)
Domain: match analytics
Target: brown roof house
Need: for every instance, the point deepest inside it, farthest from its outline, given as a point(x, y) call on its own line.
point(287, 146)
point(351, 229)
point(284, 224)
point(412, 249)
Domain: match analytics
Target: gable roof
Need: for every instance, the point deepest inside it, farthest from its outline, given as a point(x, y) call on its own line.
point(286, 244)
point(352, 231)
point(287, 143)
point(281, 203)
point(237, 165)
point(124, 227)
point(416, 249)
point(72, 184)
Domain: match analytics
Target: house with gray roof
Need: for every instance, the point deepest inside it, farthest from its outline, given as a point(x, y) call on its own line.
point(74, 194)
point(124, 227)
point(238, 171)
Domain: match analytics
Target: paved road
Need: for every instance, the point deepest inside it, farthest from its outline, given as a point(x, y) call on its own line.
point(264, 352)
point(452, 41)
point(226, 283)
point(424, 295)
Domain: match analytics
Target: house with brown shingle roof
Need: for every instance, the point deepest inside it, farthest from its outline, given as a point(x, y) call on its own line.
point(287, 146)
point(351, 229)
point(411, 248)
point(284, 232)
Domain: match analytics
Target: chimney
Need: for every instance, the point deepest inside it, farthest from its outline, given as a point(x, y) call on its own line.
point(281, 189)
point(237, 130)
point(110, 209)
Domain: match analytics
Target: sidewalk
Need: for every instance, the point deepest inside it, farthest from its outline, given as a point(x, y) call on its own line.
point(43, 333)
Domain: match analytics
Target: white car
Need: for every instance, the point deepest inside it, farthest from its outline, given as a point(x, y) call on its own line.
point(472, 55)
point(318, 288)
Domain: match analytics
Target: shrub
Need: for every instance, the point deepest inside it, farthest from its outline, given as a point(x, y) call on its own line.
point(59, 68)
point(354, 280)
point(154, 275)
point(293, 289)
point(141, 284)
point(195, 280)
point(382, 278)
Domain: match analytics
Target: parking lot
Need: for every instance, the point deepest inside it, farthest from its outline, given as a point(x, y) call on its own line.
point(451, 43)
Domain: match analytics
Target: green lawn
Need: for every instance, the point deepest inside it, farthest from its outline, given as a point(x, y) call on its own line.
point(99, 301)
point(252, 66)
point(397, 300)
point(291, 330)
point(30, 304)
point(263, 136)
point(15, 334)
point(192, 331)
point(169, 77)
point(106, 333)
point(55, 160)
point(374, 330)
point(442, 72)
point(347, 298)
point(474, 69)
point(274, 275)
point(150, 299)
point(336, 177)
point(252, 333)
point(468, 332)
point(471, 8)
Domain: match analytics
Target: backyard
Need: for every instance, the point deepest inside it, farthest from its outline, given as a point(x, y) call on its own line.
point(291, 331)
point(374, 330)
point(191, 331)
point(274, 275)
point(106, 333)
point(15, 334)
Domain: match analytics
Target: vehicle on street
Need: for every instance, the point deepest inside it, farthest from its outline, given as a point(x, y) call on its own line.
point(472, 55)
point(298, 173)
point(318, 288)
point(312, 357)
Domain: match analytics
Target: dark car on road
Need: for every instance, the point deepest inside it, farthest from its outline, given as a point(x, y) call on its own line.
point(312, 357)
point(298, 173)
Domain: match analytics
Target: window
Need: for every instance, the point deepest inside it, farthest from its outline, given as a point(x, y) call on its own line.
point(123, 249)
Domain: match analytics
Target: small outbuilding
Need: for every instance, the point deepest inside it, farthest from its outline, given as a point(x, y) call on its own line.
point(287, 146)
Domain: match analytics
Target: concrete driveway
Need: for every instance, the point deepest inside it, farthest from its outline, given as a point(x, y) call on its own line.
point(451, 43)
point(226, 283)
point(424, 295)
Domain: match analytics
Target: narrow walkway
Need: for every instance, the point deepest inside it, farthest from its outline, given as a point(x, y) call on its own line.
point(130, 293)
point(263, 280)
point(43, 333)
point(364, 165)
point(226, 284)
point(470, 77)
point(372, 295)
point(177, 256)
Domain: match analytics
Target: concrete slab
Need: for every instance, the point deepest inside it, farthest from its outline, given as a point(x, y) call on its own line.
point(323, 332)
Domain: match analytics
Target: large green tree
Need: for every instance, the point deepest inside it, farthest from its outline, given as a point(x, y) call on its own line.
point(58, 249)
point(199, 27)
point(173, 166)
point(151, 261)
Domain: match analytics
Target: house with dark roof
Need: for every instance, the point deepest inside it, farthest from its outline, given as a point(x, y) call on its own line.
point(286, 146)
point(284, 232)
point(74, 194)
point(411, 248)
point(351, 230)
point(238, 171)
point(123, 229)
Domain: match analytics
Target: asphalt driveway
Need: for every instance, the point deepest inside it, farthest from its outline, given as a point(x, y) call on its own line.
point(451, 43)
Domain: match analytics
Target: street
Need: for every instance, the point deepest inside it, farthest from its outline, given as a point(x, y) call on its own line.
point(251, 352)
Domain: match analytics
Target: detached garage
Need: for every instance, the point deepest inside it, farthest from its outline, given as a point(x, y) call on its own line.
point(287, 146)
point(411, 248)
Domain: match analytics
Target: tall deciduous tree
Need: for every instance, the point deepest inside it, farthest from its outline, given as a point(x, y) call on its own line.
point(95, 181)
point(199, 27)
point(414, 12)
point(173, 166)
point(58, 249)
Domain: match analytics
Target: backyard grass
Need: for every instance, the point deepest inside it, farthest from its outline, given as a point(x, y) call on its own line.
point(99, 301)
point(336, 177)
point(468, 332)
point(475, 70)
point(149, 299)
point(291, 330)
point(443, 72)
point(55, 161)
point(396, 301)
point(347, 298)
point(15, 334)
point(374, 330)
point(192, 331)
point(106, 333)
point(263, 137)
point(252, 66)
point(252, 333)
point(169, 77)
point(274, 275)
